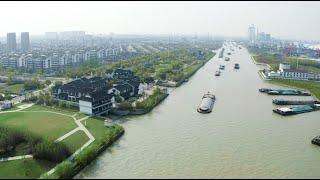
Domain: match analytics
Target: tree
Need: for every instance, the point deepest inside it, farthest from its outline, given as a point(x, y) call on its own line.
point(1, 98)
point(48, 82)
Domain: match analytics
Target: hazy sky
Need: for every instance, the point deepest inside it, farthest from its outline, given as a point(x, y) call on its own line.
point(281, 19)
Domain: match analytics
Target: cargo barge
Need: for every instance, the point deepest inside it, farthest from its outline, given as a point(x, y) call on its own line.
point(290, 92)
point(316, 140)
point(286, 111)
point(293, 102)
point(206, 104)
point(221, 53)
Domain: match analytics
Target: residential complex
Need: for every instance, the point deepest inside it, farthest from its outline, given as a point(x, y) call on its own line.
point(96, 95)
point(286, 72)
point(71, 48)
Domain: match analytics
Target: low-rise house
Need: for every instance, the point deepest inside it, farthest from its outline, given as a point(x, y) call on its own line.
point(5, 105)
point(288, 73)
point(97, 102)
point(74, 90)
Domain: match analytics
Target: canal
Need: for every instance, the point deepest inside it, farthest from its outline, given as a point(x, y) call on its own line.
point(241, 138)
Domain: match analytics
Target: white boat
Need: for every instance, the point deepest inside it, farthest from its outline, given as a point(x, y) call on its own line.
point(217, 73)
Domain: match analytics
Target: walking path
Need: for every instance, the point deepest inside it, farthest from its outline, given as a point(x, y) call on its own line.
point(16, 158)
point(80, 127)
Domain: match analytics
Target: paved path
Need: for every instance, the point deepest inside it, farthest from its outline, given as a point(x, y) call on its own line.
point(85, 130)
point(80, 127)
point(25, 106)
point(15, 158)
point(67, 135)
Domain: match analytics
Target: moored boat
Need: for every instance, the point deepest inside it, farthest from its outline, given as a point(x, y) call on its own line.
point(226, 58)
point(217, 73)
point(222, 67)
point(236, 66)
point(293, 102)
point(206, 104)
point(285, 111)
point(291, 92)
point(316, 140)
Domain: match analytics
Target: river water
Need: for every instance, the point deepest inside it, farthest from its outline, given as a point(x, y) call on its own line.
point(241, 138)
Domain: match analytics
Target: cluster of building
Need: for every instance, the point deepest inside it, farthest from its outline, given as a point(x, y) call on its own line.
point(57, 51)
point(55, 60)
point(97, 95)
point(255, 36)
point(286, 72)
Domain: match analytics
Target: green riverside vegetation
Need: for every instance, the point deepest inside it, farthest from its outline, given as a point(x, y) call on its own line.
point(313, 87)
point(309, 65)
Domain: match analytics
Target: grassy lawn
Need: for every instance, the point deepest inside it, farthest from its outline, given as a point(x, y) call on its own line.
point(47, 125)
point(55, 109)
point(15, 89)
point(23, 169)
point(97, 128)
point(80, 116)
point(76, 140)
point(313, 87)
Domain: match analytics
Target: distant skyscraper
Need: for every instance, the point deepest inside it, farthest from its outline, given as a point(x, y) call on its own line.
point(252, 33)
point(25, 41)
point(11, 42)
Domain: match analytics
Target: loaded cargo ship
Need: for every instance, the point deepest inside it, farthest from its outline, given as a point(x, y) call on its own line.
point(284, 92)
point(285, 111)
point(293, 102)
point(206, 104)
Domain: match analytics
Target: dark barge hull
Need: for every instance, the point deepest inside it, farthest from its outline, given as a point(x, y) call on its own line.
point(316, 141)
point(292, 112)
point(293, 94)
point(287, 102)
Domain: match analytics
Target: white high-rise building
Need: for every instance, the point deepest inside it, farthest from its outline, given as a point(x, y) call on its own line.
point(252, 33)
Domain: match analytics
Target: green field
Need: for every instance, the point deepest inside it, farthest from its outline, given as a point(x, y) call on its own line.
point(76, 140)
point(23, 169)
point(15, 89)
point(80, 116)
point(313, 87)
point(97, 128)
point(55, 109)
point(45, 124)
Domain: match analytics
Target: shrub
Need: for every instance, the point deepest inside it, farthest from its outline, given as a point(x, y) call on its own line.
point(54, 152)
point(86, 155)
point(125, 106)
point(64, 170)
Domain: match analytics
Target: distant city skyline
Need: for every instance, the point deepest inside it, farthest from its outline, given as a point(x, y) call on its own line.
point(289, 20)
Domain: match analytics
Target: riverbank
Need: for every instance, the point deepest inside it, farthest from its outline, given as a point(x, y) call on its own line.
point(188, 72)
point(103, 140)
point(144, 106)
point(311, 86)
